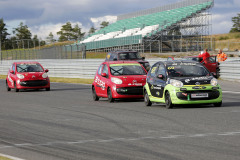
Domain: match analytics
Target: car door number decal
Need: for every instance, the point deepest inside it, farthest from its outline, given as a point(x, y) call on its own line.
point(100, 83)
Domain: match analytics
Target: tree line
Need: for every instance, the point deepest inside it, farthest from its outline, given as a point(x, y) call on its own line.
point(22, 37)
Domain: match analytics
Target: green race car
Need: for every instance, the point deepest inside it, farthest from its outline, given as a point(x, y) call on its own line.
point(181, 82)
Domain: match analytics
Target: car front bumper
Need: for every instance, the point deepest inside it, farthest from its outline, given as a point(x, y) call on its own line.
point(33, 84)
point(185, 94)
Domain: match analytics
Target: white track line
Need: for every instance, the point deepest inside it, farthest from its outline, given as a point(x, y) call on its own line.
point(10, 157)
point(231, 92)
point(199, 135)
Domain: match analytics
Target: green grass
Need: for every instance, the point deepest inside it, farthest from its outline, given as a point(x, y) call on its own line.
point(4, 158)
point(71, 80)
point(64, 80)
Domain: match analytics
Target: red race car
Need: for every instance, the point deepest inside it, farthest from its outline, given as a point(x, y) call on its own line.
point(211, 64)
point(119, 79)
point(27, 75)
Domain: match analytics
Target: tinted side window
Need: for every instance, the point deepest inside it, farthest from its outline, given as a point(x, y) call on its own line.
point(161, 70)
point(105, 69)
point(100, 69)
point(14, 68)
point(113, 56)
point(153, 70)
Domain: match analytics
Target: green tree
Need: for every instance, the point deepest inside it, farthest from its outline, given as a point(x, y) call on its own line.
point(35, 41)
point(50, 38)
point(77, 33)
point(65, 32)
point(236, 24)
point(104, 24)
point(92, 30)
point(22, 32)
point(3, 32)
point(68, 33)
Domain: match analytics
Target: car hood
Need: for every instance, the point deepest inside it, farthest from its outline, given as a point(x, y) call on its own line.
point(194, 80)
point(133, 80)
point(33, 75)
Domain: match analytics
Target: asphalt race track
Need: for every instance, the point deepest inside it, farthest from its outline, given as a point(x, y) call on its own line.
point(66, 124)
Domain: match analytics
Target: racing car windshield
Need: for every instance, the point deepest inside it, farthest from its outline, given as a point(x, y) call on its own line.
point(34, 67)
point(187, 70)
point(129, 56)
point(127, 69)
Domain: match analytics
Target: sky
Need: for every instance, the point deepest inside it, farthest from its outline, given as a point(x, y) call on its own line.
point(45, 16)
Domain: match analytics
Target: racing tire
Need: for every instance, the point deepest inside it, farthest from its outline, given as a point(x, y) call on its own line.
point(147, 101)
point(109, 93)
point(8, 89)
point(48, 89)
point(94, 94)
point(218, 104)
point(168, 101)
point(15, 87)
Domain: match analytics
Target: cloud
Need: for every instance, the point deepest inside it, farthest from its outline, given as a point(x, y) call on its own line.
point(42, 31)
point(99, 20)
point(222, 23)
point(49, 14)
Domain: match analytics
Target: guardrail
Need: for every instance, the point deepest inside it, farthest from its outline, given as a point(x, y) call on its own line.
point(86, 68)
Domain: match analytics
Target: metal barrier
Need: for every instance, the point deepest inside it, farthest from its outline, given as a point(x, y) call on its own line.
point(86, 68)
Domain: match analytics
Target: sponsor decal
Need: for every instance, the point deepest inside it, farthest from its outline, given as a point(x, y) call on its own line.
point(153, 69)
point(169, 68)
point(196, 78)
point(157, 87)
point(187, 80)
point(10, 79)
point(100, 83)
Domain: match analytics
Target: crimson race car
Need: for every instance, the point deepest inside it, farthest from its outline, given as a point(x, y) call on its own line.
point(27, 75)
point(119, 79)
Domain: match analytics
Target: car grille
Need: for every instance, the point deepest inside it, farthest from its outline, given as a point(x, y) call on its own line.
point(187, 95)
point(130, 91)
point(37, 83)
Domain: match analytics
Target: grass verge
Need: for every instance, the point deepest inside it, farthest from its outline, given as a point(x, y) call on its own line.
point(64, 80)
point(4, 158)
point(71, 80)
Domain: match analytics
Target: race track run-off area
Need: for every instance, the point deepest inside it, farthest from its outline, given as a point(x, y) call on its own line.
point(65, 123)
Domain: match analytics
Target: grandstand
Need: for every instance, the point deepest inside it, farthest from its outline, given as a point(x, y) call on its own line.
point(182, 26)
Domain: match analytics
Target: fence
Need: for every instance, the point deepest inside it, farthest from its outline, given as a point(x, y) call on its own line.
point(230, 69)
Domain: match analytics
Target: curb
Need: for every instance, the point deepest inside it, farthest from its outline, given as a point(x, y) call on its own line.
point(10, 157)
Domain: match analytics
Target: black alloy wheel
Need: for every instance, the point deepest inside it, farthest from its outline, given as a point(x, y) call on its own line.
point(168, 101)
point(110, 98)
point(8, 89)
point(147, 101)
point(15, 87)
point(94, 94)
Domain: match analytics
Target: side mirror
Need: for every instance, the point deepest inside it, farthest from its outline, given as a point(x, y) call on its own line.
point(12, 72)
point(104, 74)
point(46, 70)
point(143, 58)
point(160, 76)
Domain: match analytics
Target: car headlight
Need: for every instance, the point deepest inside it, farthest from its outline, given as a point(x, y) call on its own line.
point(214, 82)
point(116, 80)
point(176, 83)
point(44, 75)
point(20, 76)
